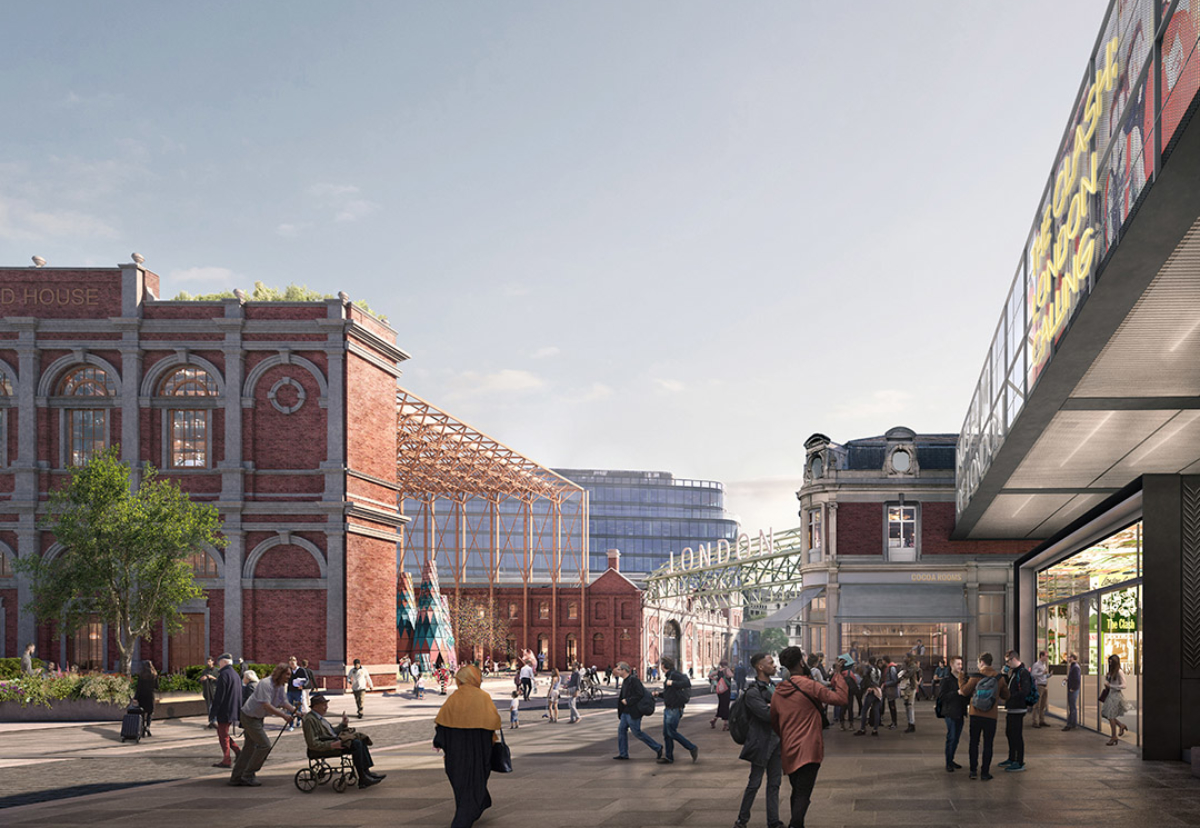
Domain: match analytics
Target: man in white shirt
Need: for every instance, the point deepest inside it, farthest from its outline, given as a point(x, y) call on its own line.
point(526, 679)
point(360, 683)
point(269, 698)
point(1041, 678)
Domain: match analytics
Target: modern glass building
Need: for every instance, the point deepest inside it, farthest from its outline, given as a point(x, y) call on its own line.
point(648, 514)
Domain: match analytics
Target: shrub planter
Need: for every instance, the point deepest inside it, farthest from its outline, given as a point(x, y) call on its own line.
point(169, 706)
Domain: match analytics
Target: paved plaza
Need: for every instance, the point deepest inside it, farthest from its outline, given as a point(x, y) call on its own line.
point(565, 774)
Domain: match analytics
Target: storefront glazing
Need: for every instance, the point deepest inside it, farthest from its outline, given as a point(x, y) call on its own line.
point(1090, 603)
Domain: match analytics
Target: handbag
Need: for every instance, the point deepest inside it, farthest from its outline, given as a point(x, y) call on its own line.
point(501, 756)
point(722, 686)
point(1104, 695)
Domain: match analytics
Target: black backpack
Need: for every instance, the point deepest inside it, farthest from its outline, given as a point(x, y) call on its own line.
point(645, 705)
point(739, 720)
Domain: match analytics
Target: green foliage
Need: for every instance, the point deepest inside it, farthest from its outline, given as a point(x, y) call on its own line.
point(125, 558)
point(10, 668)
point(263, 293)
point(44, 690)
point(772, 640)
point(178, 682)
point(475, 624)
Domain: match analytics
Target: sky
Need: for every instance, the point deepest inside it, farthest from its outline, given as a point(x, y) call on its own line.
point(671, 236)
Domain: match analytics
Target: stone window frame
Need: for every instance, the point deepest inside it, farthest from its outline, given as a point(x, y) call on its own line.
point(69, 404)
point(887, 525)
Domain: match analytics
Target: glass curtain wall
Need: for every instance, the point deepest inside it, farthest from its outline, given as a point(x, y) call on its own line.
point(1090, 604)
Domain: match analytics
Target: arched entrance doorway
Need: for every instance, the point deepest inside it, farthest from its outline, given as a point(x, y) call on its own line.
point(670, 646)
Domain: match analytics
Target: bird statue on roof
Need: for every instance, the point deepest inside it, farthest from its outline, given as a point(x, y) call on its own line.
point(345, 297)
point(240, 294)
point(138, 258)
point(38, 261)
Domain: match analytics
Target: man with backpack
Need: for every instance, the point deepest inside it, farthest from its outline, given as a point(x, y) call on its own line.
point(676, 693)
point(750, 724)
point(633, 703)
point(985, 691)
point(1020, 692)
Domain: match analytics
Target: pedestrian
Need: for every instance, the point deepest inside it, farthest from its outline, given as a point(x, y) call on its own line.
point(940, 670)
point(541, 661)
point(526, 679)
point(27, 659)
point(572, 688)
point(840, 711)
point(514, 711)
point(630, 713)
point(360, 683)
point(414, 670)
point(871, 698)
point(466, 729)
point(295, 688)
point(676, 693)
point(891, 686)
point(985, 691)
point(796, 717)
point(323, 738)
point(419, 685)
point(1073, 682)
point(1112, 700)
point(270, 697)
point(1041, 678)
point(1020, 687)
point(227, 700)
point(552, 695)
point(853, 653)
point(724, 688)
point(739, 676)
point(249, 682)
point(952, 707)
point(144, 691)
point(208, 685)
point(761, 748)
point(815, 671)
point(910, 683)
point(608, 674)
point(310, 681)
point(405, 675)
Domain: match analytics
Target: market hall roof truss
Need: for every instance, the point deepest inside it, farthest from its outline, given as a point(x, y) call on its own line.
point(440, 456)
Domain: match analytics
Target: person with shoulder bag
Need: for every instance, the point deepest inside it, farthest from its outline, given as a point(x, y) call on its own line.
point(762, 746)
point(797, 717)
point(985, 691)
point(724, 689)
point(631, 709)
point(676, 692)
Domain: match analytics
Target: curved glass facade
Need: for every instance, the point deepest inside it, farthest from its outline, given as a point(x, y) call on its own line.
point(647, 515)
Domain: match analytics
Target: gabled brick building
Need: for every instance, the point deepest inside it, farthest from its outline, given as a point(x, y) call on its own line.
point(281, 414)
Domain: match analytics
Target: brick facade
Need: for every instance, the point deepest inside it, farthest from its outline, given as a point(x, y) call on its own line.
point(299, 454)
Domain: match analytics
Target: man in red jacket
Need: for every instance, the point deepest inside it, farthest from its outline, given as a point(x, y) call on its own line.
point(796, 717)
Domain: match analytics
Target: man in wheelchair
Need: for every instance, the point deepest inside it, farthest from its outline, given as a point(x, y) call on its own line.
point(323, 738)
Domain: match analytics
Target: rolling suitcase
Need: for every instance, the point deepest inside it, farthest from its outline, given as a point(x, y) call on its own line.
point(131, 724)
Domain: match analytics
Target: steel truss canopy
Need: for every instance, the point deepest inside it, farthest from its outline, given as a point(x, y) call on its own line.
point(1091, 377)
point(762, 570)
point(438, 455)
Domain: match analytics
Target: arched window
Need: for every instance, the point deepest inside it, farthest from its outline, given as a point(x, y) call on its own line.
point(188, 428)
point(203, 566)
point(86, 424)
point(572, 649)
point(572, 610)
point(598, 644)
point(6, 570)
point(6, 400)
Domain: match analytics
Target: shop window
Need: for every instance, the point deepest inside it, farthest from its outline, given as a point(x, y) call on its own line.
point(991, 612)
point(85, 649)
point(901, 532)
point(187, 645)
point(598, 644)
point(188, 429)
point(572, 610)
point(203, 565)
point(544, 610)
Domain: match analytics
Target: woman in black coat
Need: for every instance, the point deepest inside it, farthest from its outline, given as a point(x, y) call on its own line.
point(147, 684)
point(466, 728)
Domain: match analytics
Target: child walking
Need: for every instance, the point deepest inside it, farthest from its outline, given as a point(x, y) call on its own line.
point(514, 710)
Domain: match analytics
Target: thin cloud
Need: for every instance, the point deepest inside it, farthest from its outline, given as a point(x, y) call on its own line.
point(345, 200)
point(469, 384)
point(884, 402)
point(672, 385)
point(543, 353)
point(594, 393)
point(215, 276)
point(288, 231)
point(21, 221)
point(514, 289)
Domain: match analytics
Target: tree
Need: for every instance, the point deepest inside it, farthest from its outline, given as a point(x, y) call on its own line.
point(126, 554)
point(477, 626)
point(772, 640)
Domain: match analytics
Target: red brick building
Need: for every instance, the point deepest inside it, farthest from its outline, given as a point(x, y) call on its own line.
point(281, 414)
point(600, 625)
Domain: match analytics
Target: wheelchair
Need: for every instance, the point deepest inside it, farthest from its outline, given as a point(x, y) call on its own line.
point(320, 771)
